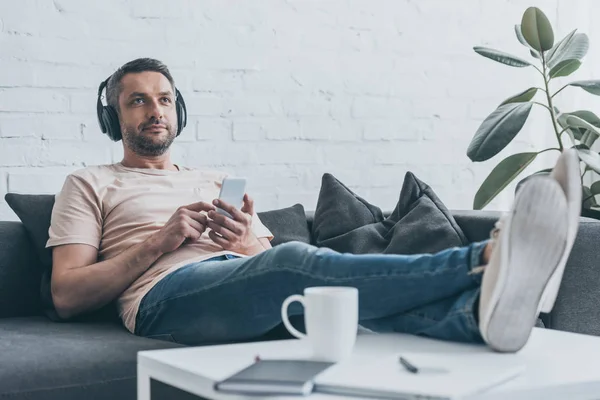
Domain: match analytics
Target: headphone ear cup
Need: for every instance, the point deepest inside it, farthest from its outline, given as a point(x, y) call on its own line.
point(111, 121)
point(181, 113)
point(179, 118)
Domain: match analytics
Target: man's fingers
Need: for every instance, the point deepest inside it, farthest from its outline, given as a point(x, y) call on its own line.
point(221, 230)
point(226, 222)
point(202, 218)
point(248, 206)
point(198, 227)
point(234, 212)
point(218, 240)
point(196, 216)
point(199, 206)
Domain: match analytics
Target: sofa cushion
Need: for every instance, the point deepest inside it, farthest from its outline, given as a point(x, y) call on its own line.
point(50, 360)
point(420, 223)
point(19, 272)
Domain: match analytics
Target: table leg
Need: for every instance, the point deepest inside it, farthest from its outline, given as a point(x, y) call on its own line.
point(143, 383)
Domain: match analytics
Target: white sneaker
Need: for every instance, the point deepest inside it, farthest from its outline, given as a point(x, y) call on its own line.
point(527, 252)
point(566, 172)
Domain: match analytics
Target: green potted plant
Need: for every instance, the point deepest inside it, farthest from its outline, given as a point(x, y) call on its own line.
point(578, 129)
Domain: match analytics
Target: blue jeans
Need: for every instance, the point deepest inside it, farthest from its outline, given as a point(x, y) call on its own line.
point(227, 298)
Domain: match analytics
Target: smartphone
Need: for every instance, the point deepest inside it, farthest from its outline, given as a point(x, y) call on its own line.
point(232, 192)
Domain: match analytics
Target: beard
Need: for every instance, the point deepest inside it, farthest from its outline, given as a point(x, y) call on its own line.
point(148, 145)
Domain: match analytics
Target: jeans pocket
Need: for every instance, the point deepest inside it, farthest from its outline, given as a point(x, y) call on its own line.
point(163, 336)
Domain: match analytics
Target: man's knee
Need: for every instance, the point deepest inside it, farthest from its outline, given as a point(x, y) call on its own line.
point(293, 250)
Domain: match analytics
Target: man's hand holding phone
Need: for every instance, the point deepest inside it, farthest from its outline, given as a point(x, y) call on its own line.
point(186, 224)
point(234, 233)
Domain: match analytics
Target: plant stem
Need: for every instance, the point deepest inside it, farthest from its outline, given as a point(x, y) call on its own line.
point(541, 104)
point(560, 90)
point(539, 70)
point(550, 149)
point(571, 136)
point(550, 106)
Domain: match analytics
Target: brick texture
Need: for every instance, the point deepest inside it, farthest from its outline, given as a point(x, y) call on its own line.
point(280, 91)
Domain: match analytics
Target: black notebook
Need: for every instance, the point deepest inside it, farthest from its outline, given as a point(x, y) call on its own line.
point(274, 377)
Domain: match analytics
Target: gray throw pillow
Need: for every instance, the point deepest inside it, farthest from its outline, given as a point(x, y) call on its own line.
point(35, 211)
point(420, 223)
point(286, 224)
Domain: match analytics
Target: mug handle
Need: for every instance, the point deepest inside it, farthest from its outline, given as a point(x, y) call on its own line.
point(284, 314)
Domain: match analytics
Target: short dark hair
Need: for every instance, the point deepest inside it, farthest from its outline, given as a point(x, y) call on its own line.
point(114, 87)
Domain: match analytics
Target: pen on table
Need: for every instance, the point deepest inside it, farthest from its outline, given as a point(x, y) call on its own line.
point(409, 367)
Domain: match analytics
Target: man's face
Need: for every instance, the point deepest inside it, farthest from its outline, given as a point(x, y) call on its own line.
point(148, 116)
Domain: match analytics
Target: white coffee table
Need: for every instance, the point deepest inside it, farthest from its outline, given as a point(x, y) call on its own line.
point(559, 365)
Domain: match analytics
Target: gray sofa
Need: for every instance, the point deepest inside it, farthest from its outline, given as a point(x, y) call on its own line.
point(42, 359)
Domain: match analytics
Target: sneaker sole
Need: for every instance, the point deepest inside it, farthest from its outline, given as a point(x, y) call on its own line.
point(532, 248)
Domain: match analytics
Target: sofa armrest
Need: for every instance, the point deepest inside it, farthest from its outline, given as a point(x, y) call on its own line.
point(577, 308)
point(475, 224)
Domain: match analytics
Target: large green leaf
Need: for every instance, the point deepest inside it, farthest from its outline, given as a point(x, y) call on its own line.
point(587, 116)
point(559, 48)
point(565, 68)
point(537, 30)
point(521, 97)
point(590, 158)
point(498, 130)
point(580, 131)
point(521, 39)
point(595, 188)
point(576, 48)
point(500, 177)
point(501, 57)
point(576, 122)
point(589, 138)
point(588, 197)
point(574, 133)
point(591, 86)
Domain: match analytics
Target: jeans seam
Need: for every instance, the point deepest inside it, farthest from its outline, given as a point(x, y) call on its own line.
point(412, 314)
point(463, 311)
point(283, 268)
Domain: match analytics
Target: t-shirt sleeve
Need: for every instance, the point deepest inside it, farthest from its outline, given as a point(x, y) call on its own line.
point(76, 216)
point(259, 229)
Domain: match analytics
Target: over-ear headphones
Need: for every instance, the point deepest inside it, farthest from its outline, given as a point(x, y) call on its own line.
point(109, 119)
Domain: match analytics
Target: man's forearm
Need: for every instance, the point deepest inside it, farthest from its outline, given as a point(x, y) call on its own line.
point(90, 287)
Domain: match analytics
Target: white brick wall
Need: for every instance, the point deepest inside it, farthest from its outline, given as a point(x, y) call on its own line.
point(280, 91)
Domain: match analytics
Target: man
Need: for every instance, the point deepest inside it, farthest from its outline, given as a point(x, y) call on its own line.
point(144, 232)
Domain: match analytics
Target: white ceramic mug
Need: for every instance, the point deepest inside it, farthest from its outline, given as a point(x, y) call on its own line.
point(331, 320)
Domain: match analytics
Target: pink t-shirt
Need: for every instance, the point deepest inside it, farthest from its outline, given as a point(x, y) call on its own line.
point(113, 207)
